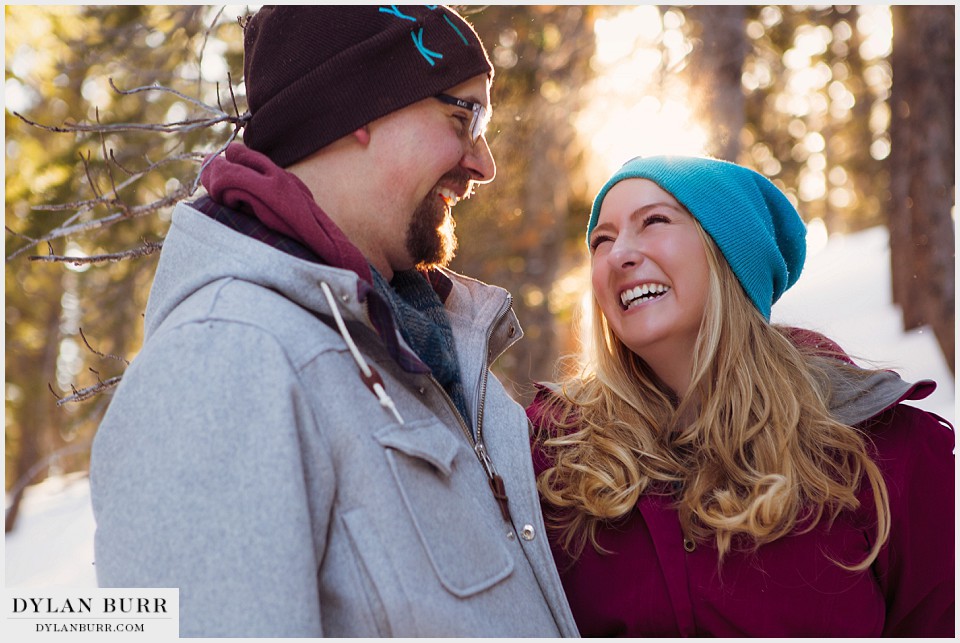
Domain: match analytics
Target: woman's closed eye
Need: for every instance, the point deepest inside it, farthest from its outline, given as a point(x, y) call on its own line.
point(655, 218)
point(639, 223)
point(599, 239)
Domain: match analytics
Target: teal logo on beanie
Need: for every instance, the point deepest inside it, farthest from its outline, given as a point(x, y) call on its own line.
point(429, 55)
point(757, 229)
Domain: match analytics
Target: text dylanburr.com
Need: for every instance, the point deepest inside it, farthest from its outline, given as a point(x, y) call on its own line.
point(92, 614)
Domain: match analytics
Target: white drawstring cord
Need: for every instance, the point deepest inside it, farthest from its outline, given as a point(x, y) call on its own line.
point(370, 376)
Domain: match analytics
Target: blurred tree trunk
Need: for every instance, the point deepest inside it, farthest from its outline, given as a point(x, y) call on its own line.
point(515, 233)
point(37, 416)
point(714, 71)
point(922, 167)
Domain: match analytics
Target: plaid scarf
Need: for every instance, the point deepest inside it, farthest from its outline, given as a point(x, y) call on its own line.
point(424, 324)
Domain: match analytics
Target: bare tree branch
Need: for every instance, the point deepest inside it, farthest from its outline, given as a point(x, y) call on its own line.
point(127, 212)
point(32, 473)
point(168, 90)
point(148, 248)
point(196, 181)
point(112, 199)
point(203, 48)
point(181, 127)
point(99, 353)
point(30, 240)
point(86, 168)
point(89, 392)
point(80, 395)
point(241, 119)
point(89, 204)
point(107, 157)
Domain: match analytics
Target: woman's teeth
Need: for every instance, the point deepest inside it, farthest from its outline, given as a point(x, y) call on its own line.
point(642, 293)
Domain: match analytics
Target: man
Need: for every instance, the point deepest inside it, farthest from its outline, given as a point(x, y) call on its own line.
point(310, 442)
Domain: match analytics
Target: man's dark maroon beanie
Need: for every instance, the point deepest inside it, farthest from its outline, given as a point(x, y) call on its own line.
point(316, 73)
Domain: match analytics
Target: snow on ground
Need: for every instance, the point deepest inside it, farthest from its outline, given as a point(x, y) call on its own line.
point(843, 292)
point(51, 545)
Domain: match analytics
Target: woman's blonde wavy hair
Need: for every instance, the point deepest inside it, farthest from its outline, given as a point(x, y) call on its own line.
point(752, 446)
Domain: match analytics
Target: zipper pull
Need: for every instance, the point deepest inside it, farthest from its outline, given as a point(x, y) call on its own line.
point(496, 482)
point(500, 493)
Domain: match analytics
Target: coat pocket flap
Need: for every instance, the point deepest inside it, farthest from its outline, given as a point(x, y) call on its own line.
point(425, 441)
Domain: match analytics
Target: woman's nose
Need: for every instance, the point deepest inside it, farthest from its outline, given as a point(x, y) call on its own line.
point(624, 254)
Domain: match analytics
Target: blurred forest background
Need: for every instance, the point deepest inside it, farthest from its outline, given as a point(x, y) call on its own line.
point(849, 109)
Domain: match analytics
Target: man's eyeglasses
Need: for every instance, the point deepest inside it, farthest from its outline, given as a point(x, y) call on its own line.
point(478, 124)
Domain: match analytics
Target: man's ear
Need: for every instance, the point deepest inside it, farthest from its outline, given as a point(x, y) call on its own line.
point(362, 135)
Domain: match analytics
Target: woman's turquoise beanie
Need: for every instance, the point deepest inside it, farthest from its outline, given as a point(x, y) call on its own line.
point(756, 228)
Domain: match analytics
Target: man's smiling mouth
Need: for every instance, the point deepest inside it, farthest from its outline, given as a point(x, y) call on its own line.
point(449, 197)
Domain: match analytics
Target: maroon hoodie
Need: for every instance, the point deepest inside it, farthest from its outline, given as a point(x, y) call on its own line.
point(248, 181)
point(653, 583)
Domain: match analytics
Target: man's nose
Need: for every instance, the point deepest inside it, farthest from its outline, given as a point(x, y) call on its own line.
point(478, 160)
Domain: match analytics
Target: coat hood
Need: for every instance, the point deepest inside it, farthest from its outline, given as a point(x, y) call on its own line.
point(199, 251)
point(855, 400)
point(856, 395)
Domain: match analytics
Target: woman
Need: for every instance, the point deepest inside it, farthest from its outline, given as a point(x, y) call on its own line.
point(707, 473)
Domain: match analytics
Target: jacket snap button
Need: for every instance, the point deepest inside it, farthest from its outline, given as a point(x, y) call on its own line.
point(689, 546)
point(345, 298)
point(527, 532)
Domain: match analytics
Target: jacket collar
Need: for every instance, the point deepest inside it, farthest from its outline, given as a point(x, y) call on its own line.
point(855, 400)
point(200, 250)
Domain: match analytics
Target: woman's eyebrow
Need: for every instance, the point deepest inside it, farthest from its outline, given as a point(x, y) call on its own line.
point(643, 209)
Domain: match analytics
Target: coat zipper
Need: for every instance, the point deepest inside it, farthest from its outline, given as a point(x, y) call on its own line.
point(497, 485)
point(496, 482)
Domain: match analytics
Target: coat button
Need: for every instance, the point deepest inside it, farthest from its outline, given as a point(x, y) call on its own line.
point(527, 532)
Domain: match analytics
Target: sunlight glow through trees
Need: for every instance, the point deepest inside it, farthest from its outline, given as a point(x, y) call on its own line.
point(637, 106)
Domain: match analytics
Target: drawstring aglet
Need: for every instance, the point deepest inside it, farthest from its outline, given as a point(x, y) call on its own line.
point(386, 402)
point(375, 383)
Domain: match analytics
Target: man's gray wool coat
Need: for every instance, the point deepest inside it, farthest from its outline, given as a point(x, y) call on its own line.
point(243, 460)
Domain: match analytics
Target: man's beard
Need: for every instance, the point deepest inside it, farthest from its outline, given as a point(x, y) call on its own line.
point(431, 240)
